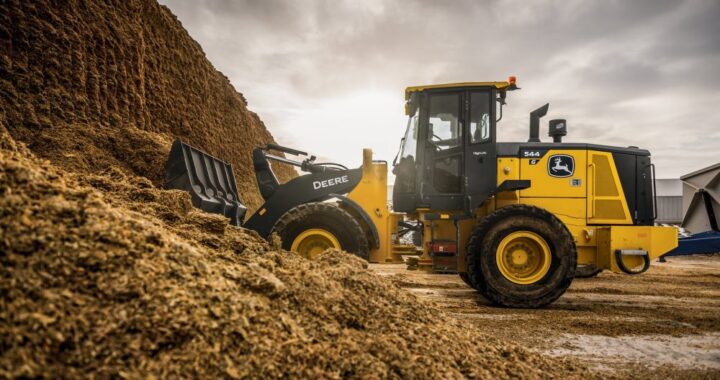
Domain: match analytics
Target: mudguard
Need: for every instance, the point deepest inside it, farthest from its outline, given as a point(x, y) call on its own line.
point(375, 241)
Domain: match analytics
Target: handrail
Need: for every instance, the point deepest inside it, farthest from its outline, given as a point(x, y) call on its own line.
point(654, 192)
point(592, 202)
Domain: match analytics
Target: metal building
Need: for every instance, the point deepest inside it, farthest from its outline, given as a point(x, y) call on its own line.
point(701, 199)
point(669, 201)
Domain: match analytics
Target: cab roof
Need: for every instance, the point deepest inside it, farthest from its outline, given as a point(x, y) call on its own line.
point(509, 85)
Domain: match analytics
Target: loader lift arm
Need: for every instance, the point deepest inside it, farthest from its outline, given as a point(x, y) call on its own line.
point(267, 181)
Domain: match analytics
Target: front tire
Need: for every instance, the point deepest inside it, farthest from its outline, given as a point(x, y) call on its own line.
point(466, 279)
point(521, 256)
point(311, 228)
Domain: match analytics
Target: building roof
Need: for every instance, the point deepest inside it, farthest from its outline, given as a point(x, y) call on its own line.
point(701, 171)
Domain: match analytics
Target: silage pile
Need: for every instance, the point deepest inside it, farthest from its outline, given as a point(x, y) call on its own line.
point(98, 84)
point(105, 275)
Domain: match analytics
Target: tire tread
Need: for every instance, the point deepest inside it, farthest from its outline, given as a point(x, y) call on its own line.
point(477, 244)
point(307, 212)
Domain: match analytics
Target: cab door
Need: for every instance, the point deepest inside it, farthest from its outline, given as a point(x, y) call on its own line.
point(442, 182)
point(405, 194)
point(480, 151)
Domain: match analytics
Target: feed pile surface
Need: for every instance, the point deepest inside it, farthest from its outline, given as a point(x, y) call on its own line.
point(104, 274)
point(99, 84)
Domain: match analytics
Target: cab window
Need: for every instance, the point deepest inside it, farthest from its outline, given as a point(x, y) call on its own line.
point(480, 117)
point(444, 129)
point(409, 143)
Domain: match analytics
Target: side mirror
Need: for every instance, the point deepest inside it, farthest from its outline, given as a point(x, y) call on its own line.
point(501, 99)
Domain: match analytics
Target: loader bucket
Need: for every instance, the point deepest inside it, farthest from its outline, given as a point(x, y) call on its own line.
point(210, 181)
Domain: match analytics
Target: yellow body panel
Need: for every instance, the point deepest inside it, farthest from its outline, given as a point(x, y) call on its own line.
point(572, 199)
point(543, 185)
point(606, 201)
point(508, 168)
point(655, 240)
point(371, 195)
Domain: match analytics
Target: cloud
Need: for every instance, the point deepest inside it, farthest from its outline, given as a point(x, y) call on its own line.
point(328, 76)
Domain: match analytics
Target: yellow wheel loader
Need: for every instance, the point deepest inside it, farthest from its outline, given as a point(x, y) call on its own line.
point(514, 219)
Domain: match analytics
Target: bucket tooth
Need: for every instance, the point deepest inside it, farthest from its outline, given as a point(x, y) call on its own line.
point(209, 180)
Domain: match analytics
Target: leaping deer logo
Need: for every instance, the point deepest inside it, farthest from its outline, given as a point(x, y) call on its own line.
point(561, 166)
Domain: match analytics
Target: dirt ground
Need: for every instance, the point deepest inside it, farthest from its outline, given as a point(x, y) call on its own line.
point(664, 323)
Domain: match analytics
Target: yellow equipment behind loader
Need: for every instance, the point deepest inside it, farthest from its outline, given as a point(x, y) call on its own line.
point(514, 220)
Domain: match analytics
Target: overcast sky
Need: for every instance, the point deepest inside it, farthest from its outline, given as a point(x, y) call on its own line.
point(328, 76)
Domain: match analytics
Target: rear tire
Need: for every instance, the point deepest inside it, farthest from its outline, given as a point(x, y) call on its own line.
point(329, 220)
point(521, 256)
point(587, 271)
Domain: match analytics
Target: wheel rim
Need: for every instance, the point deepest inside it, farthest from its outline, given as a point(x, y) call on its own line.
point(523, 257)
point(311, 243)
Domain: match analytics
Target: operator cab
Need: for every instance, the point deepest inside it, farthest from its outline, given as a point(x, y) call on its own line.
point(450, 132)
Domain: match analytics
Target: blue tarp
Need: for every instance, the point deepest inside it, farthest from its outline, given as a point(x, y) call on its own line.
point(703, 242)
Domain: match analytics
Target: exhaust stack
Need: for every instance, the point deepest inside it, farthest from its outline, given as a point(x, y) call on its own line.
point(535, 122)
